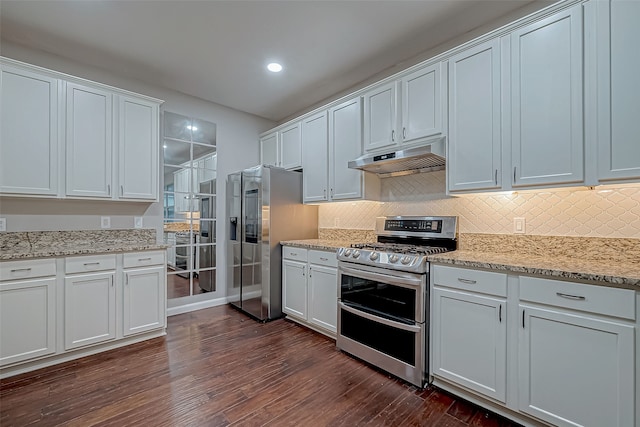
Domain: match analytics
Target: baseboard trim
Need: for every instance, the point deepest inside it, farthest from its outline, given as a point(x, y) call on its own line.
point(172, 311)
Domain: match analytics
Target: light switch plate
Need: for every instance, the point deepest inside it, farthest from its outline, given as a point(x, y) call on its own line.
point(3, 224)
point(137, 222)
point(105, 221)
point(519, 225)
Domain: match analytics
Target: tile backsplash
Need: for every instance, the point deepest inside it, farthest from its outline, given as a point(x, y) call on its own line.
point(605, 211)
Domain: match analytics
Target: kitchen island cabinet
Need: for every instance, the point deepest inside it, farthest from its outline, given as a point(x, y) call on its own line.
point(560, 340)
point(310, 288)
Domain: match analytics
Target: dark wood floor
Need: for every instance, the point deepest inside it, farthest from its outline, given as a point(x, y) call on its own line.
point(217, 367)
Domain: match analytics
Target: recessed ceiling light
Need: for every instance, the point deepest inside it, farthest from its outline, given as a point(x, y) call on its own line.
point(274, 67)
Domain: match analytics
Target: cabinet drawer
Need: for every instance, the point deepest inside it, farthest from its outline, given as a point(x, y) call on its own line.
point(323, 258)
point(141, 259)
point(16, 270)
point(485, 282)
point(298, 254)
point(590, 298)
point(83, 264)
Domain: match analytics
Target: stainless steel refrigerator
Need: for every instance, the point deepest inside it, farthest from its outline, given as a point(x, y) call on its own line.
point(264, 207)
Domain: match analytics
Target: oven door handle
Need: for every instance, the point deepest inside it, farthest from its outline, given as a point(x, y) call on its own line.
point(399, 280)
point(373, 318)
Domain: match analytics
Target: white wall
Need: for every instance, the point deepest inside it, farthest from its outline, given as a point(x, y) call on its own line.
point(237, 139)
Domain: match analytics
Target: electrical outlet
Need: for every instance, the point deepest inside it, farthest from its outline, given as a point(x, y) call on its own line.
point(336, 222)
point(519, 225)
point(105, 221)
point(137, 222)
point(3, 224)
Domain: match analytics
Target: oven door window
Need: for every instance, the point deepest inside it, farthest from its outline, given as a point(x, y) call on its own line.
point(394, 342)
point(380, 298)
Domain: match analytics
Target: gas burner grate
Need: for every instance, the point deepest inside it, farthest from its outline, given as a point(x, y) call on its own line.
point(400, 248)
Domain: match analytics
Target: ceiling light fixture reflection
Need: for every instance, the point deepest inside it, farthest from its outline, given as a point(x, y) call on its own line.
point(192, 128)
point(274, 67)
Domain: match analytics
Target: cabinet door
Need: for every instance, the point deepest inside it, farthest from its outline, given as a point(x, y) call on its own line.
point(89, 144)
point(618, 97)
point(380, 117)
point(315, 158)
point(29, 132)
point(291, 147)
point(546, 84)
point(138, 147)
point(269, 150)
point(345, 139)
point(144, 307)
point(323, 297)
point(575, 370)
point(89, 309)
point(474, 118)
point(470, 341)
point(27, 319)
point(294, 288)
point(421, 104)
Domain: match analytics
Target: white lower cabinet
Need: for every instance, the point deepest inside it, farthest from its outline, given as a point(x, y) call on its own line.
point(89, 301)
point(310, 288)
point(52, 309)
point(566, 356)
point(144, 302)
point(576, 367)
point(464, 320)
point(27, 311)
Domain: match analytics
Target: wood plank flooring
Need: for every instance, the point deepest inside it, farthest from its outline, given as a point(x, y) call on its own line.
point(217, 367)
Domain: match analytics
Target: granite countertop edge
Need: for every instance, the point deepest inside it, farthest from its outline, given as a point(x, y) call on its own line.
point(60, 252)
point(612, 274)
point(318, 244)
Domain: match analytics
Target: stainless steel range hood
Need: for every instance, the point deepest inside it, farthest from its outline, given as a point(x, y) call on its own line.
point(427, 158)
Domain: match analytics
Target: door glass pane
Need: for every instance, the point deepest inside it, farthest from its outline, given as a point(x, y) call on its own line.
point(190, 162)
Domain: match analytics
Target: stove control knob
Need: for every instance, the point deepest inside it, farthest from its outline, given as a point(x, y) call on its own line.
point(356, 253)
point(393, 258)
point(406, 259)
point(374, 256)
point(347, 252)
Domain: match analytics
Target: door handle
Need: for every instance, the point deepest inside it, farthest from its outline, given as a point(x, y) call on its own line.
point(393, 136)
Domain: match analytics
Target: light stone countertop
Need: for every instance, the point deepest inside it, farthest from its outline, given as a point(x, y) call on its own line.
point(47, 244)
point(619, 274)
point(318, 244)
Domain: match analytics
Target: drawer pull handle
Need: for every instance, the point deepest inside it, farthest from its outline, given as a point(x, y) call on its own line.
point(467, 281)
point(292, 254)
point(86, 264)
point(15, 270)
point(144, 259)
point(324, 259)
point(573, 297)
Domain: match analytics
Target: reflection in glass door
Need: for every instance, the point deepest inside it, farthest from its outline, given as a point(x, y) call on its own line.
point(190, 164)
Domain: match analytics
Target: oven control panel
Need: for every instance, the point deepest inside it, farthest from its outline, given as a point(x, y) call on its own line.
point(440, 227)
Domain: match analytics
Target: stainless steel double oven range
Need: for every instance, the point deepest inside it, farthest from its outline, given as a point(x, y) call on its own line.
point(383, 301)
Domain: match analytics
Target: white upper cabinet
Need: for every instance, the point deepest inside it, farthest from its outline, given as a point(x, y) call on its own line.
point(29, 152)
point(283, 148)
point(474, 118)
point(546, 101)
point(405, 110)
point(269, 149)
point(89, 141)
point(421, 104)
point(138, 147)
point(291, 147)
point(315, 160)
point(618, 90)
point(380, 117)
point(110, 137)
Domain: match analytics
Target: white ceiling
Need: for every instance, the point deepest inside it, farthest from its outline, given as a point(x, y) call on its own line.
point(217, 50)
